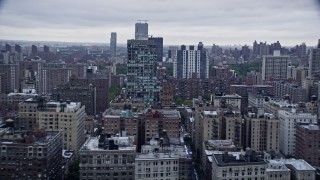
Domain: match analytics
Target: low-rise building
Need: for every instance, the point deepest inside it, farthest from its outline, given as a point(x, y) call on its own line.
point(107, 157)
point(299, 169)
point(232, 166)
point(159, 161)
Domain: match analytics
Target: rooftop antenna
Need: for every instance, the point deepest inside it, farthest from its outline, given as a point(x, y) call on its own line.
point(145, 21)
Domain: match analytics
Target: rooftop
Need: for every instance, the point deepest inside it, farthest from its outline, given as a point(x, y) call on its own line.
point(9, 136)
point(212, 113)
point(311, 127)
point(113, 143)
point(238, 159)
point(298, 164)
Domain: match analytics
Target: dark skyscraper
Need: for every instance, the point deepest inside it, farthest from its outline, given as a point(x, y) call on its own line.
point(142, 68)
point(113, 44)
point(159, 46)
point(8, 47)
point(45, 49)
point(18, 48)
point(34, 50)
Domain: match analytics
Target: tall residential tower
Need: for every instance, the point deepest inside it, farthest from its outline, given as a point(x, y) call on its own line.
point(142, 67)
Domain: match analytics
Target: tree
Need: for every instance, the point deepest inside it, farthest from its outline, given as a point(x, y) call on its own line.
point(114, 91)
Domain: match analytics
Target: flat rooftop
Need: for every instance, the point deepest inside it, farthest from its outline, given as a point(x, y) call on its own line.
point(212, 113)
point(298, 164)
point(92, 144)
point(313, 127)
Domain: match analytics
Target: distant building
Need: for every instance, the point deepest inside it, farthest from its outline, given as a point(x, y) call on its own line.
point(31, 155)
point(141, 31)
point(307, 143)
point(233, 100)
point(113, 44)
point(191, 63)
point(107, 157)
point(296, 93)
point(314, 62)
point(288, 127)
point(275, 66)
point(52, 77)
point(86, 94)
point(9, 78)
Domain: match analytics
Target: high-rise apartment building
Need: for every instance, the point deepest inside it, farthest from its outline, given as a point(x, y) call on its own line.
point(314, 62)
point(31, 155)
point(141, 31)
point(113, 44)
point(159, 47)
point(142, 82)
point(288, 121)
point(191, 63)
point(275, 66)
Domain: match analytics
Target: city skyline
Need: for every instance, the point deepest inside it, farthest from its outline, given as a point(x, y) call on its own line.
point(211, 22)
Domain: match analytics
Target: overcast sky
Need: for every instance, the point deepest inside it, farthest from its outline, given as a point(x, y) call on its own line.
point(224, 22)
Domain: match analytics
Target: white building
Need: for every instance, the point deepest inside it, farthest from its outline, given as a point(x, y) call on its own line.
point(275, 66)
point(232, 99)
point(238, 166)
point(191, 63)
point(107, 158)
point(157, 166)
point(288, 122)
point(298, 168)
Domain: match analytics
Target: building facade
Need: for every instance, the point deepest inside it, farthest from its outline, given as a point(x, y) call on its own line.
point(191, 63)
point(107, 158)
point(31, 155)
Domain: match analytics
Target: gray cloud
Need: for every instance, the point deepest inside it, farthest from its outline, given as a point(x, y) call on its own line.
point(178, 21)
